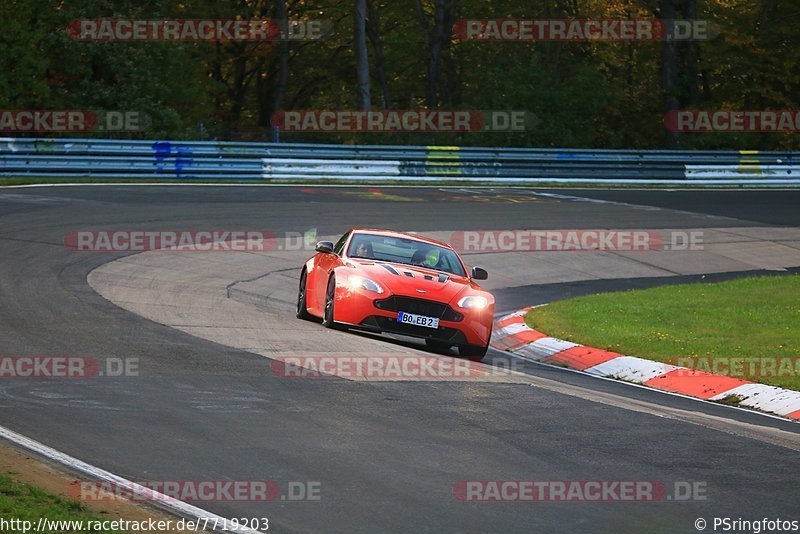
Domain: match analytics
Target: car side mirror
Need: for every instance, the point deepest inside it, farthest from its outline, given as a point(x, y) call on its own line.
point(479, 273)
point(325, 247)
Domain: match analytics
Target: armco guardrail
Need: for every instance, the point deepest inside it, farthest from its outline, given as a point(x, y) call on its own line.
point(204, 160)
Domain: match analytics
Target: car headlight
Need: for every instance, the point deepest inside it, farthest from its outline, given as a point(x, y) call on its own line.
point(359, 282)
point(475, 302)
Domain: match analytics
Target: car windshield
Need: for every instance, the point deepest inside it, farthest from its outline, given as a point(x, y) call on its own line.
point(406, 251)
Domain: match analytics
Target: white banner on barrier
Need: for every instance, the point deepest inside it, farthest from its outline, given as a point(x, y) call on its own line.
point(340, 168)
point(706, 172)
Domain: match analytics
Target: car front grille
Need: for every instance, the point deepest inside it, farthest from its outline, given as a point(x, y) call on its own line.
point(387, 324)
point(420, 307)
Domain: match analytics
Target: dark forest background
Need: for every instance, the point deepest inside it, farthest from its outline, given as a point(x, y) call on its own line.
point(584, 94)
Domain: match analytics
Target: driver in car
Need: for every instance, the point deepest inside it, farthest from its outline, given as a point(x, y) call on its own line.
point(423, 258)
point(364, 250)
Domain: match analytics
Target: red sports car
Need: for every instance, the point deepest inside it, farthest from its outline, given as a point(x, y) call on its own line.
point(400, 283)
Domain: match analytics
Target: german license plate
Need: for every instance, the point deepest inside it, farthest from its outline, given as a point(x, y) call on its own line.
point(418, 320)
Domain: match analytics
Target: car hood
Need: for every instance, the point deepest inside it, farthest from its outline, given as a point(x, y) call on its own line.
point(410, 281)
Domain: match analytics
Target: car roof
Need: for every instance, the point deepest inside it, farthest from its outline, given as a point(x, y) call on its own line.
point(400, 235)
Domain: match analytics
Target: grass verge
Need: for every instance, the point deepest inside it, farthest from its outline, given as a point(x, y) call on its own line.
point(29, 503)
point(748, 328)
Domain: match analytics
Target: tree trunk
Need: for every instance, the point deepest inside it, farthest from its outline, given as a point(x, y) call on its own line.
point(435, 57)
point(283, 59)
point(374, 34)
point(435, 42)
point(692, 60)
point(669, 71)
point(362, 59)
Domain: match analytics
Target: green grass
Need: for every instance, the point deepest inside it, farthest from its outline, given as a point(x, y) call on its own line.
point(749, 317)
point(29, 503)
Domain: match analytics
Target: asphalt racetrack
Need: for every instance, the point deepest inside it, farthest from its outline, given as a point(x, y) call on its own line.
point(385, 455)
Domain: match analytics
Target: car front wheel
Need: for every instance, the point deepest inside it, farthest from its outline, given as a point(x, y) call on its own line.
point(330, 294)
point(302, 308)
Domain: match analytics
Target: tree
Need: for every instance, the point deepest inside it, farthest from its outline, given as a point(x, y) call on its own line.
point(436, 38)
point(362, 59)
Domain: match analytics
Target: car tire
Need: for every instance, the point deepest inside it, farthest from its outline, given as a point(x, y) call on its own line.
point(474, 353)
point(302, 308)
point(438, 346)
point(327, 313)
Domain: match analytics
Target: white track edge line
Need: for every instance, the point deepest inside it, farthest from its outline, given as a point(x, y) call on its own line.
point(159, 500)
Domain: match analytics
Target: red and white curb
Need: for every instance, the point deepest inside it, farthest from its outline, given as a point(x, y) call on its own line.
point(512, 334)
